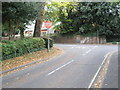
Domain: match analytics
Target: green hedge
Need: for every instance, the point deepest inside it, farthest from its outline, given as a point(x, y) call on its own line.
point(16, 48)
point(51, 42)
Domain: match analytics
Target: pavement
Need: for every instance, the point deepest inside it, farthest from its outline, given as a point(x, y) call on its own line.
point(75, 68)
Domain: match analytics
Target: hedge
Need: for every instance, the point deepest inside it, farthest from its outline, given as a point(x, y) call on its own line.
point(51, 42)
point(16, 48)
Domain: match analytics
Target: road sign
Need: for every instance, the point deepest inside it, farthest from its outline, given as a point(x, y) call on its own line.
point(48, 24)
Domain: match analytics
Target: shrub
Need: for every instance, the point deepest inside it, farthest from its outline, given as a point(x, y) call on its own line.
point(7, 41)
point(8, 51)
point(16, 48)
point(51, 42)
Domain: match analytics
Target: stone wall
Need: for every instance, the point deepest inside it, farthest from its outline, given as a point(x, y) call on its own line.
point(80, 39)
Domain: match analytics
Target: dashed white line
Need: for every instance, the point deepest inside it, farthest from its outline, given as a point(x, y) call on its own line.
point(89, 50)
point(17, 78)
point(59, 68)
point(83, 47)
point(27, 74)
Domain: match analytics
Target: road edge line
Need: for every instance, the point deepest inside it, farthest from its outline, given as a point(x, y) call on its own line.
point(92, 81)
point(107, 68)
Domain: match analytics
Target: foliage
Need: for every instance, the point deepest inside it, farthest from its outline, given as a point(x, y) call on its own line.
point(15, 15)
point(88, 17)
point(19, 47)
point(51, 42)
point(51, 12)
point(113, 38)
point(7, 41)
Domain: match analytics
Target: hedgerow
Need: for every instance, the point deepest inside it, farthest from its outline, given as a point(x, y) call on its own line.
point(16, 48)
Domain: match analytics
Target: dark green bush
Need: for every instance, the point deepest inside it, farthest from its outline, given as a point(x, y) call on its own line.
point(7, 41)
point(16, 48)
point(51, 42)
point(8, 50)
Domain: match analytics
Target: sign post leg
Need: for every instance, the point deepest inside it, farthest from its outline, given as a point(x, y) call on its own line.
point(48, 42)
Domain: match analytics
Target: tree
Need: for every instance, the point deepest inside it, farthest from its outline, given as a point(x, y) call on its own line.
point(51, 12)
point(89, 18)
point(58, 12)
point(15, 15)
point(39, 19)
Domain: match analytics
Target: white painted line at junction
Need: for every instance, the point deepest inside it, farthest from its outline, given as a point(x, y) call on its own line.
point(76, 47)
point(83, 47)
point(60, 67)
point(89, 50)
point(92, 81)
point(70, 45)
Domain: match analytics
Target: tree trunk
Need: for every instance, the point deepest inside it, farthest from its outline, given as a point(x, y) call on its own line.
point(9, 30)
point(21, 33)
point(38, 24)
point(13, 33)
point(37, 29)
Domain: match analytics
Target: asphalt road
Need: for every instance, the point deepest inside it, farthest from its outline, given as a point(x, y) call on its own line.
point(75, 68)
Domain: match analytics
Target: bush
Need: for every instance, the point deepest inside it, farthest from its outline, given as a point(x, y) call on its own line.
point(8, 51)
point(16, 48)
point(51, 42)
point(7, 41)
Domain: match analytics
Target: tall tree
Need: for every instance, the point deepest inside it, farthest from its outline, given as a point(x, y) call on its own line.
point(89, 18)
point(15, 15)
point(98, 17)
point(39, 20)
point(51, 12)
point(58, 12)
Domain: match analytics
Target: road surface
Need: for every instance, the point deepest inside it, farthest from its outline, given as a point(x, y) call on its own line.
point(112, 73)
point(75, 68)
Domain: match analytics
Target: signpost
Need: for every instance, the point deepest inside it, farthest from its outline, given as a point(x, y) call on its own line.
point(48, 24)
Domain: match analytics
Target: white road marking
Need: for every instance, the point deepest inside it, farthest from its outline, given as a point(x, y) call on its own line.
point(75, 47)
point(108, 62)
point(70, 45)
point(83, 47)
point(17, 78)
point(89, 50)
point(60, 67)
point(98, 71)
point(27, 74)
